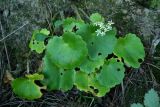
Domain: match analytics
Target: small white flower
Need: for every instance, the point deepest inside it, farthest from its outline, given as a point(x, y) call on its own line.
point(98, 31)
point(101, 25)
point(108, 27)
point(103, 28)
point(110, 22)
point(96, 23)
point(103, 33)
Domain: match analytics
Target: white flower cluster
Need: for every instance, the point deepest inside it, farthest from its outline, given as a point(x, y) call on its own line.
point(103, 28)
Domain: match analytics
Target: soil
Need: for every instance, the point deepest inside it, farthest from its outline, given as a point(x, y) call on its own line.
point(19, 18)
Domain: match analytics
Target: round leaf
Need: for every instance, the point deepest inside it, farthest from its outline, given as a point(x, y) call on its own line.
point(70, 23)
point(87, 32)
point(102, 45)
point(98, 45)
point(51, 74)
point(81, 81)
point(68, 51)
point(67, 80)
point(112, 73)
point(89, 66)
point(96, 88)
point(89, 83)
point(55, 78)
point(130, 49)
point(151, 99)
point(96, 17)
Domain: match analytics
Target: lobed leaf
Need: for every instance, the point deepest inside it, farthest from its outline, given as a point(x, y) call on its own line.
point(56, 78)
point(130, 49)
point(88, 66)
point(102, 45)
point(37, 40)
point(68, 51)
point(89, 83)
point(112, 73)
point(26, 88)
point(70, 23)
point(96, 88)
point(35, 76)
point(51, 74)
point(151, 99)
point(98, 45)
point(81, 81)
point(66, 80)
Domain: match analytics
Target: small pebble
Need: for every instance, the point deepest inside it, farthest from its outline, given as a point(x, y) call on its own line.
point(124, 11)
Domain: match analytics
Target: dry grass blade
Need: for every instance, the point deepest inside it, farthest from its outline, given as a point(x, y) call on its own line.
point(14, 32)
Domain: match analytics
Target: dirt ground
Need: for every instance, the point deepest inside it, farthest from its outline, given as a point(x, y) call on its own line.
point(19, 18)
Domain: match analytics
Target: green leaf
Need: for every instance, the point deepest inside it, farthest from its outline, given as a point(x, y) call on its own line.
point(37, 40)
point(35, 76)
point(51, 74)
point(96, 17)
point(96, 88)
point(89, 83)
point(67, 80)
point(82, 46)
point(151, 99)
point(136, 105)
point(26, 88)
point(40, 37)
point(154, 3)
point(102, 45)
point(70, 23)
point(89, 66)
point(81, 81)
point(68, 51)
point(58, 23)
point(87, 32)
point(56, 78)
point(98, 45)
point(112, 73)
point(45, 32)
point(130, 49)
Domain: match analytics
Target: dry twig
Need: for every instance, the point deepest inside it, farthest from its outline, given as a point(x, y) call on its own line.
point(14, 32)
